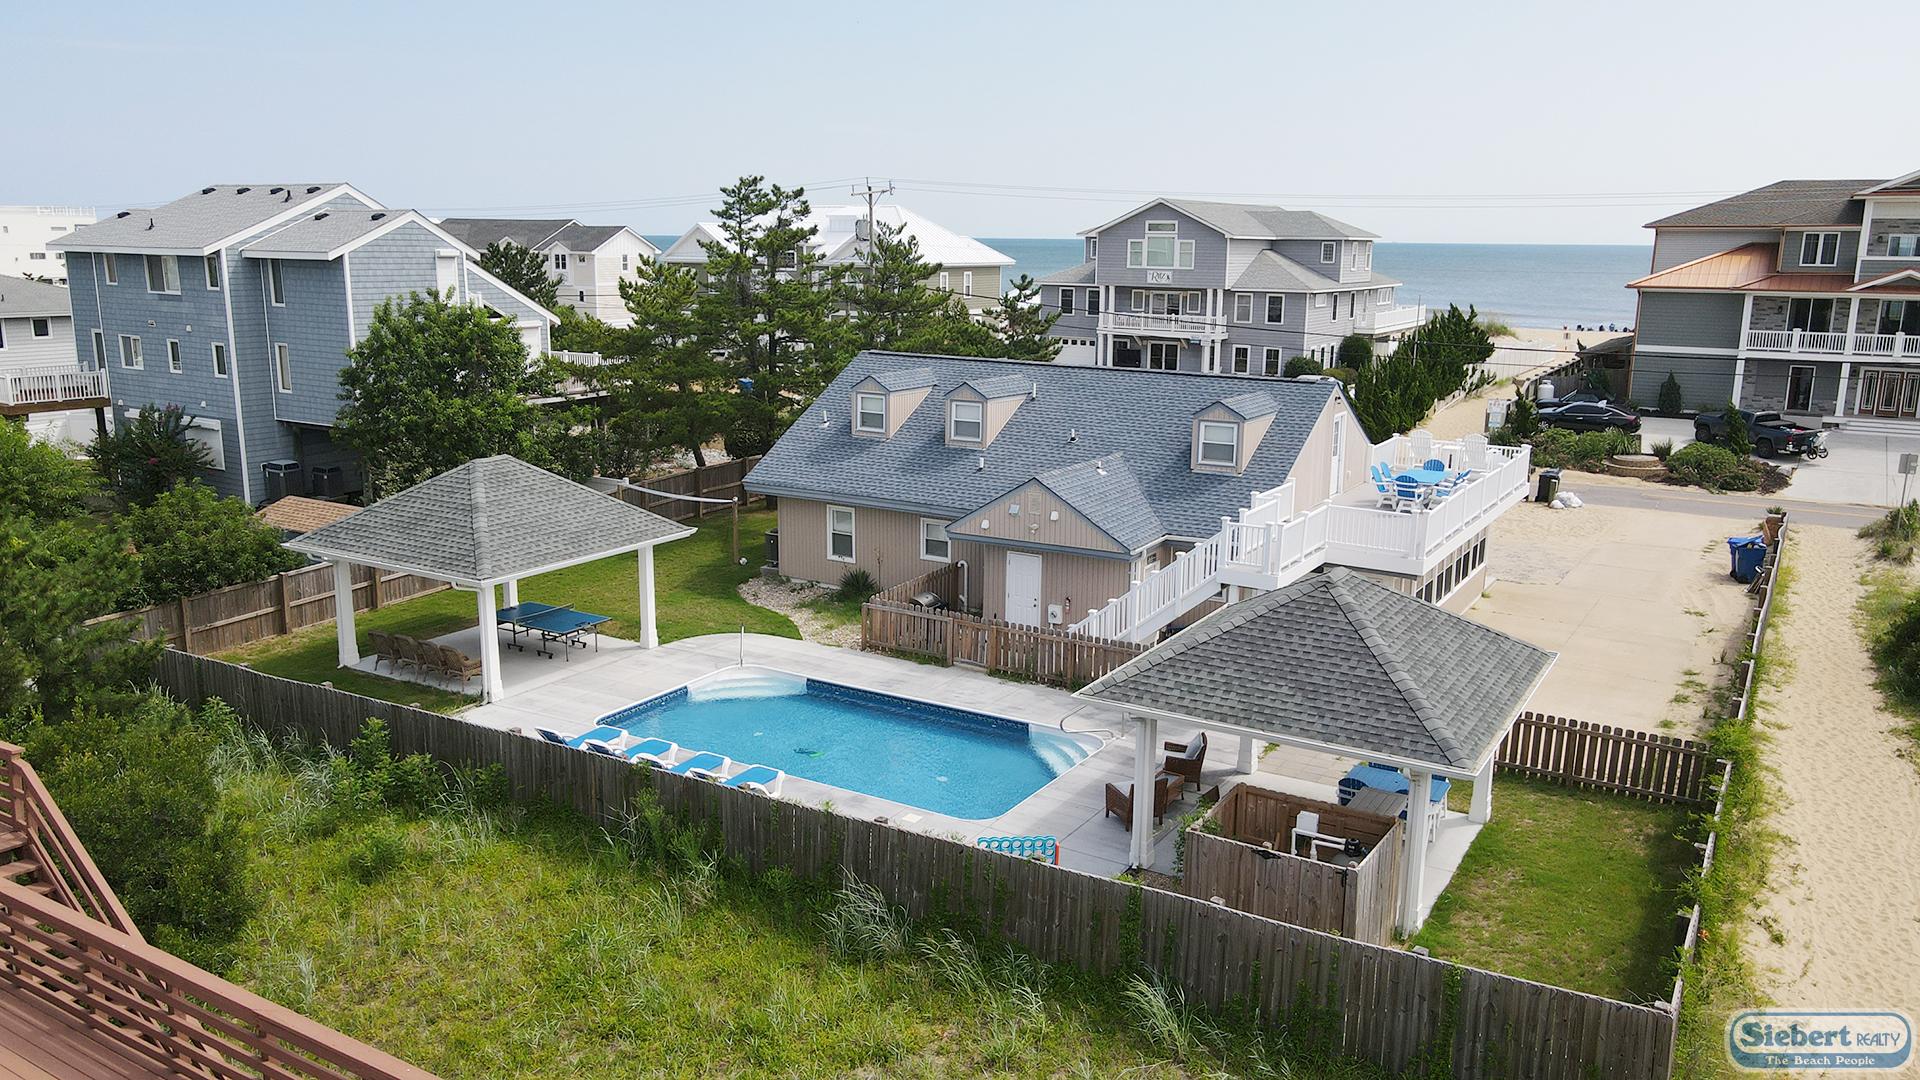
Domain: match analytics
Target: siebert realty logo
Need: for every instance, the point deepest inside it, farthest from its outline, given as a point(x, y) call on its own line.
point(1788, 1039)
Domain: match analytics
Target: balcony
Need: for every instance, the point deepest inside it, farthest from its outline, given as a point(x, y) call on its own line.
point(1391, 320)
point(1817, 343)
point(1180, 326)
point(50, 388)
point(1363, 535)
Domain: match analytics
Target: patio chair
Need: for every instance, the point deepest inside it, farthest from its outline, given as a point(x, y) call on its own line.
point(404, 652)
point(456, 664)
point(600, 746)
point(602, 732)
point(1186, 759)
point(1382, 483)
point(764, 779)
point(706, 764)
point(1407, 494)
point(381, 643)
point(656, 752)
point(1121, 803)
point(1434, 464)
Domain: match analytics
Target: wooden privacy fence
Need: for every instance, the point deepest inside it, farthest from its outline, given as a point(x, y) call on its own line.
point(1043, 654)
point(1387, 1006)
point(1248, 865)
point(1576, 754)
point(944, 583)
point(721, 480)
point(230, 617)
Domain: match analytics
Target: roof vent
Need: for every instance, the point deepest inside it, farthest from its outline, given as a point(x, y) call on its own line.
point(313, 188)
point(124, 213)
point(378, 216)
point(275, 191)
point(1100, 467)
point(241, 190)
point(1034, 394)
point(288, 198)
point(321, 216)
point(1073, 434)
point(206, 191)
point(149, 224)
point(982, 466)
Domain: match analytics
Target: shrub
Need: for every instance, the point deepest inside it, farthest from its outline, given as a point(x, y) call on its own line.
point(1356, 351)
point(190, 540)
point(1523, 418)
point(146, 456)
point(1897, 534)
point(1345, 375)
point(1302, 365)
point(1897, 651)
point(37, 480)
point(1705, 465)
point(857, 587)
point(1672, 402)
point(1662, 448)
point(380, 852)
point(1739, 440)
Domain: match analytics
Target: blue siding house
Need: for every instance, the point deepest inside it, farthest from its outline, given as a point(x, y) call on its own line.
point(238, 304)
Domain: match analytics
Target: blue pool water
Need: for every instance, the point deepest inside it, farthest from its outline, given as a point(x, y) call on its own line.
point(948, 761)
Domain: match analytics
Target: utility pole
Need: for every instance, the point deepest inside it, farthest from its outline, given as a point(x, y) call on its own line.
point(871, 194)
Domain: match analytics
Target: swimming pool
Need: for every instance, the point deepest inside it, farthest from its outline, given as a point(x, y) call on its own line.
point(949, 761)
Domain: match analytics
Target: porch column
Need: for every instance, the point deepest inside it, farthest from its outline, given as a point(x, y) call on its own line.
point(1146, 742)
point(1413, 866)
point(491, 687)
point(1481, 811)
point(1846, 373)
point(1853, 312)
point(1739, 376)
point(649, 625)
point(510, 593)
point(1244, 764)
point(343, 612)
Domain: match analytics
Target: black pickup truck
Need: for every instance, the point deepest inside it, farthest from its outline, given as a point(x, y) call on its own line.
point(1771, 433)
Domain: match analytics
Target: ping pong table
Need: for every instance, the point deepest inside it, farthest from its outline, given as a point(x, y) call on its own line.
point(551, 623)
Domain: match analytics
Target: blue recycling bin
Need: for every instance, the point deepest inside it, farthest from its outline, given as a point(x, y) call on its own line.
point(1748, 552)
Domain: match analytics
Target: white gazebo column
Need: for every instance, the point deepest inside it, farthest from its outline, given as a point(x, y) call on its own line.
point(1146, 741)
point(510, 593)
point(491, 687)
point(1481, 810)
point(1413, 868)
point(1244, 764)
point(343, 612)
point(649, 623)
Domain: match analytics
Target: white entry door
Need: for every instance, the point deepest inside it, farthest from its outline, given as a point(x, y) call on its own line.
point(1023, 589)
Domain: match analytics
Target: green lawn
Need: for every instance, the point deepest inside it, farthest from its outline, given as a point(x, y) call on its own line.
point(1569, 888)
point(695, 583)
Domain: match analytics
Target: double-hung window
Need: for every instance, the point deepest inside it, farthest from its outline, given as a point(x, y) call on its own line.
point(1242, 359)
point(1328, 251)
point(110, 266)
point(964, 422)
point(282, 368)
point(130, 356)
point(219, 359)
point(946, 281)
point(173, 357)
point(1820, 249)
point(840, 533)
point(99, 351)
point(276, 284)
point(1272, 361)
point(213, 270)
point(1219, 443)
point(1243, 307)
point(163, 273)
point(1093, 301)
point(1276, 308)
point(966, 283)
point(1066, 301)
point(934, 545)
point(870, 413)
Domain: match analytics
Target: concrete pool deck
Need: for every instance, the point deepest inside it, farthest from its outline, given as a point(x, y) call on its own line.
point(546, 693)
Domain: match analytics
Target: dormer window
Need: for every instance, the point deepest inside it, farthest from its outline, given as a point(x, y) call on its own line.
point(965, 421)
point(870, 413)
point(1219, 444)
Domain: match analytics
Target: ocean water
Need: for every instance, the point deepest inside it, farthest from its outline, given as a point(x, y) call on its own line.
point(1548, 285)
point(950, 761)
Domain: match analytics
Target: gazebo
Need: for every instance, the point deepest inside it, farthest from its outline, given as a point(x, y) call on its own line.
point(1339, 664)
point(488, 523)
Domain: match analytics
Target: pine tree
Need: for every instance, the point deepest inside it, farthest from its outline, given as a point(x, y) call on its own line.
point(887, 296)
point(1023, 323)
point(666, 390)
point(523, 269)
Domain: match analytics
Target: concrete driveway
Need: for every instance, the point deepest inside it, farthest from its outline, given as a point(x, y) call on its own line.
point(1861, 468)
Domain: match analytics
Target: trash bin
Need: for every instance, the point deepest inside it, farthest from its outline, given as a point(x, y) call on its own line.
point(1748, 553)
point(1549, 486)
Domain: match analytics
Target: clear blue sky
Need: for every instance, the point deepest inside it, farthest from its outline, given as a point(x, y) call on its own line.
point(1420, 121)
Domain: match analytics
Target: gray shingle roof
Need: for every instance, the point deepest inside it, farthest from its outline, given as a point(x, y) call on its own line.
point(1340, 661)
point(912, 378)
point(489, 519)
point(1268, 222)
point(1271, 271)
point(1075, 275)
point(320, 232)
point(1251, 404)
point(197, 221)
point(1107, 493)
point(1788, 202)
point(999, 386)
point(21, 298)
point(477, 233)
point(1081, 413)
point(578, 237)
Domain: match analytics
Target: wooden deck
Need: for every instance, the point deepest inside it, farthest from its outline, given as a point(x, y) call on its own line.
point(38, 1042)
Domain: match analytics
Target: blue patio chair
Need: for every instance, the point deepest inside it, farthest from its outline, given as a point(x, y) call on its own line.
point(1461, 476)
point(656, 752)
point(1407, 494)
point(550, 735)
point(1434, 464)
point(600, 746)
point(706, 764)
point(602, 733)
point(762, 778)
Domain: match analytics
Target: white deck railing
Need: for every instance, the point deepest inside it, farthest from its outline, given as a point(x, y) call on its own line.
point(51, 384)
point(1406, 542)
point(1388, 320)
point(1128, 322)
point(1905, 346)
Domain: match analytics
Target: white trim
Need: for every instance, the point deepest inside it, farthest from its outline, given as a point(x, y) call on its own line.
point(346, 273)
point(1329, 252)
point(1248, 297)
point(138, 353)
point(211, 261)
point(233, 366)
point(944, 538)
point(276, 280)
point(1818, 246)
point(853, 546)
point(147, 264)
point(1242, 354)
point(1690, 350)
point(112, 264)
point(858, 413)
point(100, 349)
point(218, 350)
point(953, 419)
point(1267, 315)
point(176, 364)
point(1908, 272)
point(1201, 442)
point(282, 367)
point(1273, 353)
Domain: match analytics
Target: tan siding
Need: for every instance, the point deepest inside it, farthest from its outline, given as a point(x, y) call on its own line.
point(999, 411)
point(900, 405)
point(1079, 583)
point(1313, 469)
point(1034, 524)
point(886, 544)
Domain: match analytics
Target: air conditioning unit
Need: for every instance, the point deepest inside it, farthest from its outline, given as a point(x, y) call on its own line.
point(283, 479)
point(329, 482)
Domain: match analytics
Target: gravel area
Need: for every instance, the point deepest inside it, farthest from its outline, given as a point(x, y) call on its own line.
point(791, 599)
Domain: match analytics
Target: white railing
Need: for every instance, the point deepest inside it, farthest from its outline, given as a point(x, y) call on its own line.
point(1267, 547)
point(51, 384)
point(1127, 322)
point(1388, 320)
point(1408, 542)
point(1833, 344)
point(585, 359)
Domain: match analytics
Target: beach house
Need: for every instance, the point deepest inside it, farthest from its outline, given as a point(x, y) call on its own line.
point(1117, 503)
point(25, 232)
point(587, 262)
point(1232, 288)
point(238, 302)
point(969, 269)
point(42, 382)
point(1801, 297)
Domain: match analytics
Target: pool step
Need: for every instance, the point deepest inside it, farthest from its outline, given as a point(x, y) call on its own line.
point(1060, 754)
point(754, 684)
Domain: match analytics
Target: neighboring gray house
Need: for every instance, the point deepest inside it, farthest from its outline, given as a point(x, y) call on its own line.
point(588, 262)
point(1802, 297)
point(238, 303)
point(1185, 285)
point(39, 379)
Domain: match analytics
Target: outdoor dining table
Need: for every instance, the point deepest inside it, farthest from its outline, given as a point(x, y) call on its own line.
point(1424, 477)
point(1393, 780)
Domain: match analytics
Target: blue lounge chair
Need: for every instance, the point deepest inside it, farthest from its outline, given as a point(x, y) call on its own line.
point(1461, 476)
point(550, 735)
point(705, 764)
point(601, 746)
point(1382, 483)
point(762, 778)
point(658, 752)
point(602, 733)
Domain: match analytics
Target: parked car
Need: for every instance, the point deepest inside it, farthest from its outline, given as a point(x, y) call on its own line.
point(1589, 397)
point(1589, 416)
point(1770, 432)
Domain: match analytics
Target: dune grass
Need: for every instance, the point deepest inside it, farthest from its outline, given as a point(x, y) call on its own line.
point(1568, 888)
point(695, 589)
